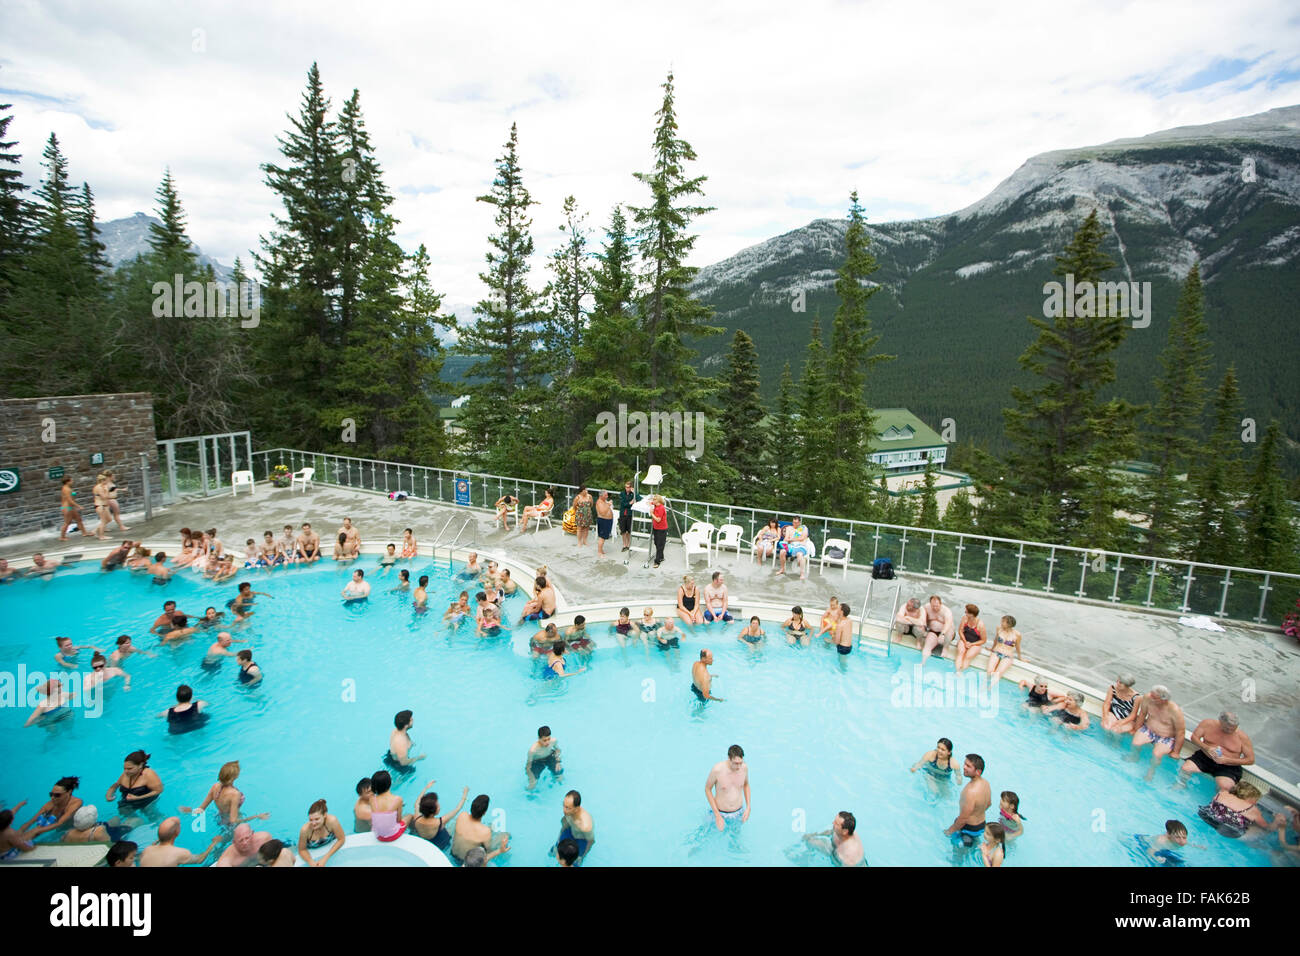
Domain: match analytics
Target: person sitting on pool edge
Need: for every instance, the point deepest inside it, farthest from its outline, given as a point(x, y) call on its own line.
point(542, 605)
point(1222, 750)
point(577, 826)
point(716, 600)
point(386, 821)
point(399, 757)
point(431, 823)
point(911, 620)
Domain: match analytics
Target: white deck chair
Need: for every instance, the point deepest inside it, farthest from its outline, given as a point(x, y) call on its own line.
point(303, 478)
point(730, 536)
point(238, 478)
point(844, 546)
point(543, 516)
point(696, 542)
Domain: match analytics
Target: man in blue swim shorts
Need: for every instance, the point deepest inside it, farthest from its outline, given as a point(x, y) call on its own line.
point(727, 789)
point(576, 825)
point(715, 600)
point(542, 605)
point(968, 828)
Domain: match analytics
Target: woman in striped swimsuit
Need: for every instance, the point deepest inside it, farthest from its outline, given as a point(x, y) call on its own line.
point(1118, 707)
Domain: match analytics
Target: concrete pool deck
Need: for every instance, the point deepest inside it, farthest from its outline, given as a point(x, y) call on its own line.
point(1250, 670)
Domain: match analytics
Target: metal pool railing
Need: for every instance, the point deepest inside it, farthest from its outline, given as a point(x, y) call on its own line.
point(1119, 578)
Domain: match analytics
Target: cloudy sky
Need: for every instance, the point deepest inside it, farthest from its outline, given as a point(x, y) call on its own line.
point(922, 107)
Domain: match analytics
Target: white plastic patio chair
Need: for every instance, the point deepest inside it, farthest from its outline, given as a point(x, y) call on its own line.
point(303, 478)
point(844, 546)
point(730, 536)
point(238, 478)
point(696, 542)
point(543, 516)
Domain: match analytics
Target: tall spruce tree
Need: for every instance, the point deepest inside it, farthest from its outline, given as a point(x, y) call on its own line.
point(611, 362)
point(784, 447)
point(849, 418)
point(15, 231)
point(741, 415)
point(56, 335)
point(929, 513)
point(1060, 428)
point(1175, 419)
point(301, 332)
point(669, 312)
point(1270, 528)
point(817, 443)
point(1213, 533)
point(495, 421)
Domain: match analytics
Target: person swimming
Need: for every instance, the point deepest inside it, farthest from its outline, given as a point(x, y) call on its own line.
point(937, 762)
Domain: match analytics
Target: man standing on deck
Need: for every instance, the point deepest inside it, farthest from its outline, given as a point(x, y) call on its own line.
point(968, 828)
point(727, 788)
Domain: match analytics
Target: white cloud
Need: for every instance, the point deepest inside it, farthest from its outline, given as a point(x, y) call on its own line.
point(923, 109)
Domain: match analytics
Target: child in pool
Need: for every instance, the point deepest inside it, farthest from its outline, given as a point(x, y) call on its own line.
point(993, 848)
point(1162, 850)
point(830, 617)
point(1009, 810)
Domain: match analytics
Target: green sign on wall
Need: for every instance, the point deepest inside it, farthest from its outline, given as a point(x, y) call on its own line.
point(8, 480)
point(56, 471)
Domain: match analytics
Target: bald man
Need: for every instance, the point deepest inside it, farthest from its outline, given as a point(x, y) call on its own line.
point(165, 852)
point(243, 849)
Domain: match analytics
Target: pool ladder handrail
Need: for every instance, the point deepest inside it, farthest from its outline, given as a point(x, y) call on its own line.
point(451, 547)
point(889, 627)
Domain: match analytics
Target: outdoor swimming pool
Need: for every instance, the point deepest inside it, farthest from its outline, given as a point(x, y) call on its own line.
point(821, 733)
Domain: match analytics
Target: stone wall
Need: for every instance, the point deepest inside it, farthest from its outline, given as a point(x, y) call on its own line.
point(37, 434)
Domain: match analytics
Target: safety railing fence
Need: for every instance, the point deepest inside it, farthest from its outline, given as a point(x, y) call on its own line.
point(201, 464)
point(1132, 580)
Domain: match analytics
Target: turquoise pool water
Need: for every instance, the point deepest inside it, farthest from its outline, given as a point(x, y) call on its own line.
point(821, 733)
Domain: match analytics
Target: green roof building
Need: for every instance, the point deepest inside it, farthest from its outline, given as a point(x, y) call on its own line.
point(903, 443)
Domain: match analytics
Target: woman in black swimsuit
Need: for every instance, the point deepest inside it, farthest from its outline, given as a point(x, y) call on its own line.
point(688, 605)
point(973, 635)
point(139, 783)
point(431, 823)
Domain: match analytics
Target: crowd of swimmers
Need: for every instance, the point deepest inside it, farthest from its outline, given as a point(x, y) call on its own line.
point(1220, 748)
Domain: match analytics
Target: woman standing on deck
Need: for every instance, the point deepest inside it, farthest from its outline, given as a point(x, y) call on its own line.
point(582, 507)
point(70, 510)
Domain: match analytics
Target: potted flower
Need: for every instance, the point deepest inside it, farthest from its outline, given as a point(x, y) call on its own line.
point(1291, 623)
point(281, 476)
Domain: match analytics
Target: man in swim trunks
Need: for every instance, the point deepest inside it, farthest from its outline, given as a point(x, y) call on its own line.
point(1159, 722)
point(399, 743)
point(472, 832)
point(715, 600)
point(288, 545)
point(701, 679)
point(164, 851)
point(308, 549)
point(357, 588)
point(115, 558)
point(352, 535)
point(542, 605)
point(180, 629)
point(911, 620)
point(543, 755)
point(1222, 750)
point(421, 596)
point(844, 846)
point(163, 622)
point(243, 600)
point(576, 825)
point(844, 630)
point(730, 780)
point(939, 627)
point(976, 798)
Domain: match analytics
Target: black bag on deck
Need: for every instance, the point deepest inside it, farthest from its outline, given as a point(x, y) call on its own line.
point(882, 568)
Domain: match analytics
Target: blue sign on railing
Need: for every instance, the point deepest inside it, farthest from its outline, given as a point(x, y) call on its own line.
point(462, 491)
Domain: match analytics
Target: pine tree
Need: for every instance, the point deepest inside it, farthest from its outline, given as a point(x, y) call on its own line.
point(929, 514)
point(504, 339)
point(817, 444)
point(365, 202)
point(849, 417)
point(92, 248)
point(15, 226)
point(1213, 533)
point(741, 415)
point(300, 331)
point(669, 313)
point(783, 444)
point(56, 339)
point(1175, 420)
point(959, 515)
point(1270, 529)
point(610, 362)
point(1055, 427)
